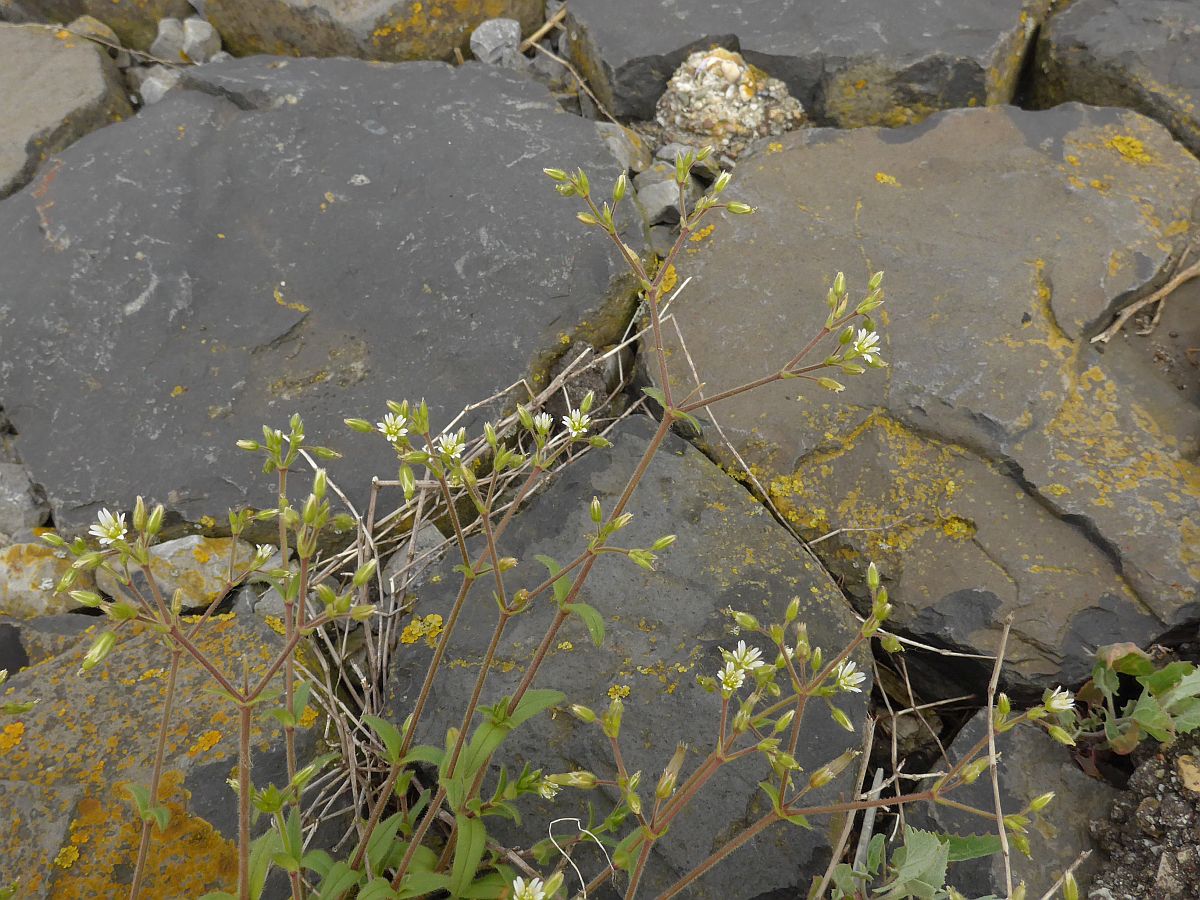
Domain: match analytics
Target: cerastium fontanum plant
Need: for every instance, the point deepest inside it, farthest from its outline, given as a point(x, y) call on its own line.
point(764, 688)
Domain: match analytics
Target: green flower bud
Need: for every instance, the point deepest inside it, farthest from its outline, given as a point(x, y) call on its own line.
point(839, 283)
point(1070, 887)
point(891, 644)
point(596, 512)
point(556, 174)
point(831, 385)
point(663, 542)
point(365, 572)
point(611, 723)
point(584, 780)
point(1041, 802)
point(154, 523)
point(873, 578)
point(100, 648)
point(722, 182)
point(793, 610)
point(745, 621)
point(586, 218)
point(841, 718)
point(1061, 735)
point(620, 188)
point(254, 445)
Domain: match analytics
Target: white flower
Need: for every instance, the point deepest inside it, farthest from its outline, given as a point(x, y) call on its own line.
point(534, 889)
point(745, 658)
point(731, 678)
point(846, 677)
point(393, 427)
point(542, 422)
point(866, 345)
point(451, 446)
point(1058, 700)
point(108, 528)
point(577, 422)
point(548, 789)
point(264, 552)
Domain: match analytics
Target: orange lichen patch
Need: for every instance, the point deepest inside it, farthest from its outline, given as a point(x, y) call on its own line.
point(428, 627)
point(308, 717)
point(93, 734)
point(885, 178)
point(10, 736)
point(205, 742)
point(670, 279)
point(702, 233)
point(276, 624)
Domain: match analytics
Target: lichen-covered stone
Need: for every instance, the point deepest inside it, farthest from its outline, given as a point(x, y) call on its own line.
point(1141, 54)
point(134, 21)
point(663, 629)
point(313, 236)
point(716, 99)
point(21, 504)
point(58, 87)
point(852, 63)
point(28, 576)
point(1002, 464)
point(198, 567)
point(70, 828)
point(367, 29)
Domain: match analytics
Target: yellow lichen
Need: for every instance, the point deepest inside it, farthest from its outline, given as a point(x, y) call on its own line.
point(10, 736)
point(204, 743)
point(670, 278)
point(1130, 148)
point(308, 717)
point(276, 624)
point(885, 178)
point(618, 692)
point(67, 856)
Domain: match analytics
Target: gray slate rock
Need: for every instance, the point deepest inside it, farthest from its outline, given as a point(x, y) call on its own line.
point(663, 629)
point(136, 24)
point(22, 505)
point(497, 42)
point(1141, 54)
point(1031, 763)
point(1003, 463)
point(90, 26)
point(200, 40)
point(849, 63)
point(156, 83)
point(368, 29)
point(337, 234)
point(625, 144)
point(57, 90)
point(29, 572)
point(657, 193)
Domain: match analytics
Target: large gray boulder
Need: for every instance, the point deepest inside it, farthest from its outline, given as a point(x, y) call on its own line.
point(368, 29)
point(849, 63)
point(663, 629)
point(312, 237)
point(1142, 54)
point(58, 87)
point(1002, 464)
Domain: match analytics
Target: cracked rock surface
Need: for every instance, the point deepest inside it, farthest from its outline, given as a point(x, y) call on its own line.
point(1003, 464)
point(860, 62)
point(1141, 54)
point(663, 629)
point(288, 237)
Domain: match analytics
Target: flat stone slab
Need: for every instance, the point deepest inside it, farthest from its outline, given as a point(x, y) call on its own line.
point(849, 63)
point(313, 237)
point(367, 29)
point(663, 629)
point(1141, 54)
point(58, 87)
point(70, 827)
point(1002, 464)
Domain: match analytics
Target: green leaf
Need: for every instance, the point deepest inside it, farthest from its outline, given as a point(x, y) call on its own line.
point(534, 702)
point(920, 865)
point(562, 586)
point(424, 753)
point(1166, 678)
point(1153, 718)
point(472, 840)
point(1188, 686)
point(1128, 659)
point(162, 817)
point(318, 862)
point(876, 853)
point(379, 889)
point(389, 734)
point(1107, 681)
point(591, 618)
point(1186, 714)
point(490, 886)
point(418, 884)
point(261, 853)
point(971, 846)
point(380, 844)
point(656, 395)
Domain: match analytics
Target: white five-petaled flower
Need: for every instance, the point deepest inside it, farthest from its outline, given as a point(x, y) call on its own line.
point(846, 676)
point(542, 422)
point(393, 427)
point(264, 551)
point(866, 344)
point(547, 789)
point(1059, 700)
point(577, 422)
point(451, 446)
point(730, 678)
point(534, 889)
point(745, 658)
point(108, 528)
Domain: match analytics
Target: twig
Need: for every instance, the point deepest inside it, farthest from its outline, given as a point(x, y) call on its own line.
point(868, 824)
point(1079, 860)
point(848, 825)
point(551, 23)
point(579, 78)
point(1158, 296)
point(992, 758)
